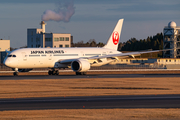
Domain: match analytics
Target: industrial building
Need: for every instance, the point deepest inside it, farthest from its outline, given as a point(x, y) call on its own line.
point(4, 45)
point(39, 38)
point(163, 63)
point(171, 40)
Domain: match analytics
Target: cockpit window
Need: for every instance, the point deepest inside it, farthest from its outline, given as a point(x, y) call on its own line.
point(11, 55)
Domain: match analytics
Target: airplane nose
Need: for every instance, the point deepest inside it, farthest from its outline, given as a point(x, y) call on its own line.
point(7, 62)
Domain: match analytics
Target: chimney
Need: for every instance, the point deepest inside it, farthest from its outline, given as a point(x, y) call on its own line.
point(43, 26)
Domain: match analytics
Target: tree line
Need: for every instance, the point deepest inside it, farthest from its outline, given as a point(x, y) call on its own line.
point(154, 43)
point(151, 43)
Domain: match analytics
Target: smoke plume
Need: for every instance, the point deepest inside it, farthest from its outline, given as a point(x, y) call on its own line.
point(64, 12)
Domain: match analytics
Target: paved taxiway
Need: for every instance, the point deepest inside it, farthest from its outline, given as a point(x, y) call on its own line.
point(147, 101)
point(23, 77)
point(100, 102)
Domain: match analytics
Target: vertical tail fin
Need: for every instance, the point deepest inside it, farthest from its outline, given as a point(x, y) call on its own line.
point(113, 41)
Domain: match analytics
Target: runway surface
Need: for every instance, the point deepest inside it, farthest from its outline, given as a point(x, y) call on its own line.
point(22, 77)
point(103, 102)
point(93, 102)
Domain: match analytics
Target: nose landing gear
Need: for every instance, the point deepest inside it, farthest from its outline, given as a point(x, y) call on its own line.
point(16, 72)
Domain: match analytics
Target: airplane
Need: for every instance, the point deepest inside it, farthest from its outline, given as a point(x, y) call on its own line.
point(80, 59)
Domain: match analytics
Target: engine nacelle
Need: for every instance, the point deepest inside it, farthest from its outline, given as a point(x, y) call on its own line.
point(80, 65)
point(59, 65)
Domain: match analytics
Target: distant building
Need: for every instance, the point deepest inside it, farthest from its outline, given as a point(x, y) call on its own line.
point(2, 56)
point(171, 40)
point(4, 45)
point(39, 38)
point(163, 63)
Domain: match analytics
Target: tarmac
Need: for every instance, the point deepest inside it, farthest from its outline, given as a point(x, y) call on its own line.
point(71, 76)
point(93, 102)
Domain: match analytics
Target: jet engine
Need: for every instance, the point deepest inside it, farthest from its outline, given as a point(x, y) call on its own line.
point(80, 65)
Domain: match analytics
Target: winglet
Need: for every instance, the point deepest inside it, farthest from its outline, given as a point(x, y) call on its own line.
point(113, 41)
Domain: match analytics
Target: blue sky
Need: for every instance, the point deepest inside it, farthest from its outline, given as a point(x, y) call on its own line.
point(93, 19)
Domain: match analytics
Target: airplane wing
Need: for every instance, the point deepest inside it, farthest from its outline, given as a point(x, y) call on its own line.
point(112, 56)
point(124, 55)
point(83, 64)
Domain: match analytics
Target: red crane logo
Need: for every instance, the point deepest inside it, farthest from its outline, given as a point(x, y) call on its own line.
point(115, 37)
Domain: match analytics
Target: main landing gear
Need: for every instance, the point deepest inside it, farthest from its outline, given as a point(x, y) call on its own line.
point(80, 73)
point(53, 72)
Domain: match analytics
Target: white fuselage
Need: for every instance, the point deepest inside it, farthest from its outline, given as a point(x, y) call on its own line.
point(80, 59)
point(47, 57)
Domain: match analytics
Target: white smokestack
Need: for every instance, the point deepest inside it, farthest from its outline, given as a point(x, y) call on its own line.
point(64, 12)
point(43, 26)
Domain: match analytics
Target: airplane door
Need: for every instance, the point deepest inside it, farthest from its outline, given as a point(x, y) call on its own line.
point(82, 54)
point(24, 56)
point(50, 57)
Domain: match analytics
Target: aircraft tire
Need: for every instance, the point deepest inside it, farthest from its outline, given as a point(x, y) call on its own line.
point(53, 72)
point(15, 73)
point(49, 72)
point(57, 72)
